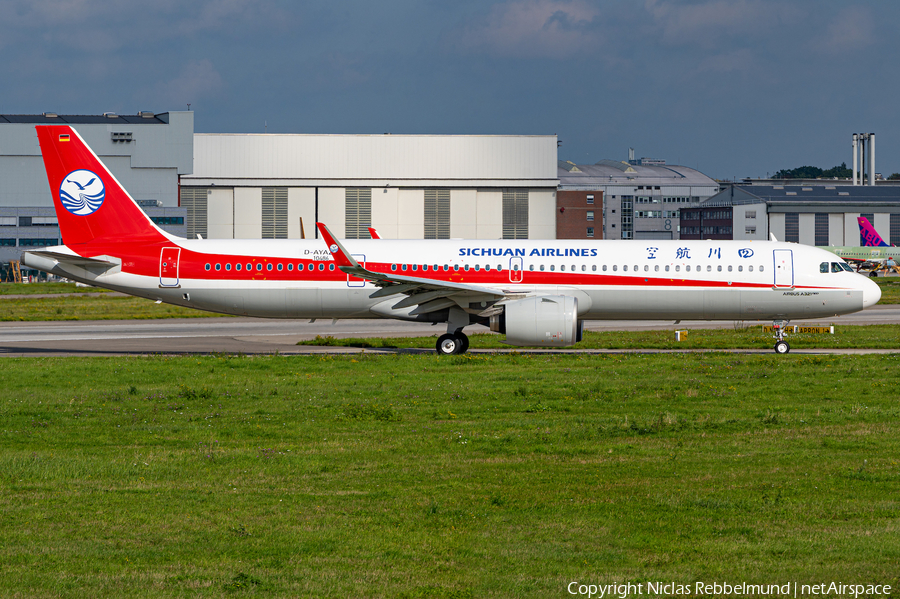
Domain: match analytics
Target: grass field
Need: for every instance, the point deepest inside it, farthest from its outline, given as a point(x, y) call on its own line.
point(751, 337)
point(46, 288)
point(462, 476)
point(104, 307)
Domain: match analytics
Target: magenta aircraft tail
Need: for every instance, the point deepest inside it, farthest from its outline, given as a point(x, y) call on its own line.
point(869, 237)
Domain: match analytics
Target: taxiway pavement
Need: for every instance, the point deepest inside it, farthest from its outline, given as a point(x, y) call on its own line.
point(266, 336)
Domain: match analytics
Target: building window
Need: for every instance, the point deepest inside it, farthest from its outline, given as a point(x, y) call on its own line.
point(194, 199)
point(750, 230)
point(821, 229)
point(895, 228)
point(590, 215)
point(38, 242)
point(792, 227)
point(590, 231)
point(274, 212)
point(168, 220)
point(515, 214)
point(627, 208)
point(590, 199)
point(437, 214)
point(750, 214)
point(8, 242)
point(357, 212)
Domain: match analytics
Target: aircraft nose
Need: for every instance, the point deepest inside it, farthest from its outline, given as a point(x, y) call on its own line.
point(871, 292)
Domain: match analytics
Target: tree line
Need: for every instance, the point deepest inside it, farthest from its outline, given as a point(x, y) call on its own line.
point(814, 172)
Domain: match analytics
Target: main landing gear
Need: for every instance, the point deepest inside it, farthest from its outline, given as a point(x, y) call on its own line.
point(452, 343)
point(781, 346)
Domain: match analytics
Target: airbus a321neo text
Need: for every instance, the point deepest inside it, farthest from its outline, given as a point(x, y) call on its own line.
point(536, 292)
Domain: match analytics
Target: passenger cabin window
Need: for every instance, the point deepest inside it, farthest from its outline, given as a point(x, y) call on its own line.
point(750, 268)
point(740, 268)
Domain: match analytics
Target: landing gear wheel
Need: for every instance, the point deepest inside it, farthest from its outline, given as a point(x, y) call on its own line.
point(464, 343)
point(448, 344)
point(782, 347)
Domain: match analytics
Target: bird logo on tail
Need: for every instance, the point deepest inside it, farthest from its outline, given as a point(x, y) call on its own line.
point(82, 192)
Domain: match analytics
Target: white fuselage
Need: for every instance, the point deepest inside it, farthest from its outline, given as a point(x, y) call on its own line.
point(698, 280)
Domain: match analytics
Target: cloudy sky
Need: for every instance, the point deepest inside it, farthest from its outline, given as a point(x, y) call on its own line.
point(735, 88)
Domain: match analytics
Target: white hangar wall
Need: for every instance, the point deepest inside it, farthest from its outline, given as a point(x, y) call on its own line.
point(405, 186)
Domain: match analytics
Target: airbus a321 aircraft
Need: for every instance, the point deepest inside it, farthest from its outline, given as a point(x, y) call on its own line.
point(538, 293)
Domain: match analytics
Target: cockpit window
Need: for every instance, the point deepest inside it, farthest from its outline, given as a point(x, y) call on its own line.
point(846, 267)
point(836, 267)
point(823, 267)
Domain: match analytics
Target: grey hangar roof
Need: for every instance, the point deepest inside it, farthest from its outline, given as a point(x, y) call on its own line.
point(144, 118)
point(611, 172)
point(806, 198)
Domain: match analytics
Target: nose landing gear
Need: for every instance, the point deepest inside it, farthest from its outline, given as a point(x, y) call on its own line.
point(781, 346)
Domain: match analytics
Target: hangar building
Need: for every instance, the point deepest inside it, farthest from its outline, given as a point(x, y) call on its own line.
point(405, 186)
point(641, 199)
point(820, 214)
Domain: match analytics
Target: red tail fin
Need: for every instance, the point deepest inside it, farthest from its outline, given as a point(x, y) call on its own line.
point(90, 203)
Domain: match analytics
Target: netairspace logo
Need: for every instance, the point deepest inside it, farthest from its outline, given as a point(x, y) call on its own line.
point(82, 192)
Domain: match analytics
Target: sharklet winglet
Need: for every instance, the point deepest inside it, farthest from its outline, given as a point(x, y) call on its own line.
point(338, 252)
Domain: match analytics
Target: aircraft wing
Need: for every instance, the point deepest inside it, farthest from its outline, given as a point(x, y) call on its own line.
point(428, 295)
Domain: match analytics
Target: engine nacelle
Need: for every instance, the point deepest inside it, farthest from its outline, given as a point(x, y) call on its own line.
point(546, 321)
